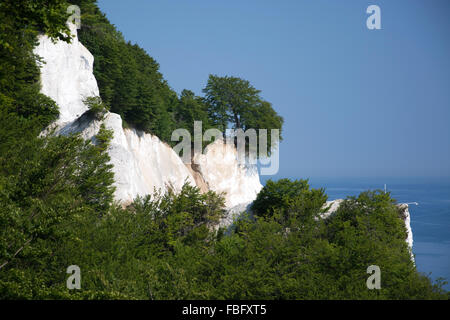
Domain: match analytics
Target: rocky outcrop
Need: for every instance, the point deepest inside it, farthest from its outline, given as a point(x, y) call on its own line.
point(222, 173)
point(407, 218)
point(142, 162)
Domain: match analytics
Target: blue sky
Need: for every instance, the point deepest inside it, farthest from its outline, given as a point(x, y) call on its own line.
point(356, 102)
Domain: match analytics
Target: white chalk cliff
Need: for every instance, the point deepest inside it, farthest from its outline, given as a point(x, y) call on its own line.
point(407, 218)
point(67, 76)
point(142, 162)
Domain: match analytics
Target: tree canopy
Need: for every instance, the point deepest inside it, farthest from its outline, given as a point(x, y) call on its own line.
point(235, 100)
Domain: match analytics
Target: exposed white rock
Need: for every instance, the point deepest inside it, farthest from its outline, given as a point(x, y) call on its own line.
point(142, 162)
point(334, 205)
point(67, 75)
point(221, 171)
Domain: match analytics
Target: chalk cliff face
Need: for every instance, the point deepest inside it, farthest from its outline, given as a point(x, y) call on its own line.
point(219, 168)
point(67, 75)
point(142, 162)
point(407, 218)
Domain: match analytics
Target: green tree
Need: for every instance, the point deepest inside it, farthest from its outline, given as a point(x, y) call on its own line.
point(97, 107)
point(234, 100)
point(228, 98)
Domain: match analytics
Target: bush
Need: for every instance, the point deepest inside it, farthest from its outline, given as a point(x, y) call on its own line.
point(96, 107)
point(282, 196)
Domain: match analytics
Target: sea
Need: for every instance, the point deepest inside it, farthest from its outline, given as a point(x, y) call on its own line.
point(430, 218)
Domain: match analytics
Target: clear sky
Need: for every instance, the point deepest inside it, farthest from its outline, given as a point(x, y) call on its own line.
point(356, 102)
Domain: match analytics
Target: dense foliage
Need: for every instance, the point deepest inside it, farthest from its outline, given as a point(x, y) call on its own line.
point(46, 186)
point(164, 247)
point(231, 100)
point(57, 208)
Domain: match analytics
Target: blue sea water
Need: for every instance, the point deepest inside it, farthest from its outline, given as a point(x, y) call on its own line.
point(430, 220)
